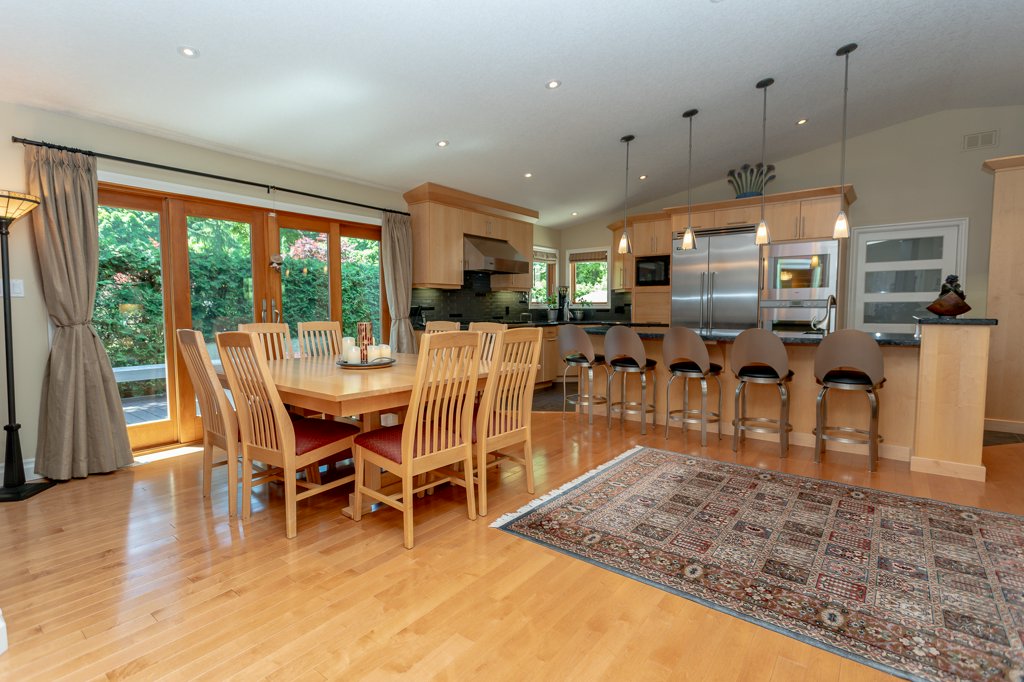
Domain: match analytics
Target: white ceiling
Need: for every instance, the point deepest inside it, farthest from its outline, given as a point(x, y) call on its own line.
point(364, 90)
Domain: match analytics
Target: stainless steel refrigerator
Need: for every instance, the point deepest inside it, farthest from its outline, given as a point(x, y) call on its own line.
point(714, 286)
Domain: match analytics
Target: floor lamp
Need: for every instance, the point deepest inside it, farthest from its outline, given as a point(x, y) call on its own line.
point(13, 205)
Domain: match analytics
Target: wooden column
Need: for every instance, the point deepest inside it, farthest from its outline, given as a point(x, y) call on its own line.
point(951, 382)
point(1004, 410)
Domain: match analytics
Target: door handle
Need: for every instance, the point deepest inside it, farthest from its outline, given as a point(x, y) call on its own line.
point(711, 302)
point(274, 315)
point(700, 303)
point(263, 314)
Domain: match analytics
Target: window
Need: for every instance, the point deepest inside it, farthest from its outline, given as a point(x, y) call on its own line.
point(588, 277)
point(898, 270)
point(545, 276)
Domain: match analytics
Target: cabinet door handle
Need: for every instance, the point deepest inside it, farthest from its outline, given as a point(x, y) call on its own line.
point(738, 222)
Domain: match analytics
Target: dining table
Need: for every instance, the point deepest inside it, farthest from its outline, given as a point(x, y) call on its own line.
point(319, 384)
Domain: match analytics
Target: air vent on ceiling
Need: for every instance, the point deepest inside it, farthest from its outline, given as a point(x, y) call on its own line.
point(989, 138)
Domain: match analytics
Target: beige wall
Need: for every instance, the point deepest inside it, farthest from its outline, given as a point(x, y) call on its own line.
point(30, 325)
point(911, 171)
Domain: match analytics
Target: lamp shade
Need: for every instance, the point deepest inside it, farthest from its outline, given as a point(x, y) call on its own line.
point(689, 240)
point(624, 245)
point(13, 205)
point(761, 237)
point(842, 228)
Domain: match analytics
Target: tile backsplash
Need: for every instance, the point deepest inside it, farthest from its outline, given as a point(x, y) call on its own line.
point(500, 305)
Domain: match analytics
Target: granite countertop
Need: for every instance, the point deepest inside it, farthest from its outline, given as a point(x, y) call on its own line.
point(978, 321)
point(544, 323)
point(790, 339)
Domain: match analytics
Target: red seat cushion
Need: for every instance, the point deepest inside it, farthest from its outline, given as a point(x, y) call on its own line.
point(311, 433)
point(386, 442)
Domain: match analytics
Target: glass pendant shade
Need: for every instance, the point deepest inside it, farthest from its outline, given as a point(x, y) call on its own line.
point(689, 239)
point(842, 228)
point(624, 245)
point(13, 205)
point(761, 237)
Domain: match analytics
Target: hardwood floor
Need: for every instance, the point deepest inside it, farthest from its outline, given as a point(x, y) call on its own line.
point(134, 575)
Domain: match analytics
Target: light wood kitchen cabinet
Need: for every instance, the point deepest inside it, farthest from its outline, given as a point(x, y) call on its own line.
point(741, 215)
point(652, 304)
point(699, 220)
point(806, 219)
point(520, 236)
point(622, 265)
point(652, 238)
point(441, 216)
point(550, 361)
point(437, 245)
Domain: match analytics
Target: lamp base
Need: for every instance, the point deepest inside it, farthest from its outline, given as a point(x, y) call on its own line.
point(24, 491)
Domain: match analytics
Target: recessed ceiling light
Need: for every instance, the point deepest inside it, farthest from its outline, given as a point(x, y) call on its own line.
point(442, 143)
point(575, 213)
point(801, 122)
point(189, 52)
point(643, 177)
point(553, 84)
point(527, 175)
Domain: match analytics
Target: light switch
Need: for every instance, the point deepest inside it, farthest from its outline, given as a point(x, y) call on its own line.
point(17, 288)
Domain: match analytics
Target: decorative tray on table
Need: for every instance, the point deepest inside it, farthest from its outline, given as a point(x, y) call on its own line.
point(372, 364)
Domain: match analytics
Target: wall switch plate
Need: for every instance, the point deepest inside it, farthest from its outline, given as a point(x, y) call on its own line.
point(17, 288)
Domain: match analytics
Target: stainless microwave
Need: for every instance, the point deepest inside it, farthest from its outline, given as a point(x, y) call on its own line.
point(653, 271)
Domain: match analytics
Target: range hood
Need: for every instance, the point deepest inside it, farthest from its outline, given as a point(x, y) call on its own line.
point(497, 256)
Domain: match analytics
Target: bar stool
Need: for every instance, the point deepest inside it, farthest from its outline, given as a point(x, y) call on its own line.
point(761, 358)
point(577, 351)
point(687, 357)
point(626, 355)
point(849, 360)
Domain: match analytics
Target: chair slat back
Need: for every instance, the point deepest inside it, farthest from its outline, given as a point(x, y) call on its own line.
point(435, 326)
point(320, 339)
point(488, 332)
point(262, 417)
point(507, 401)
point(441, 405)
point(681, 343)
point(218, 415)
point(275, 337)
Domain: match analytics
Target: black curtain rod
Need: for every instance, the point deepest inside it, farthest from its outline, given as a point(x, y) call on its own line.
point(250, 183)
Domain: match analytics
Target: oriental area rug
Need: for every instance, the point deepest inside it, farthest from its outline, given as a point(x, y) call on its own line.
point(921, 589)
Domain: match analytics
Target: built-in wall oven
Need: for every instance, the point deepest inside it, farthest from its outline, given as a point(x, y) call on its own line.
point(799, 282)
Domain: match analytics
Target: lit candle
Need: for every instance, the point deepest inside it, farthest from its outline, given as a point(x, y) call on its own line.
point(352, 355)
point(385, 350)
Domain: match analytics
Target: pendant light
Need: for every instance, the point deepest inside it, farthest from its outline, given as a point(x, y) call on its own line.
point(762, 237)
point(689, 239)
point(842, 228)
point(624, 245)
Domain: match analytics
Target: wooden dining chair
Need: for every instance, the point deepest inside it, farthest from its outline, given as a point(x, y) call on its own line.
point(286, 442)
point(504, 417)
point(320, 339)
point(435, 326)
point(488, 332)
point(437, 433)
point(220, 425)
point(275, 336)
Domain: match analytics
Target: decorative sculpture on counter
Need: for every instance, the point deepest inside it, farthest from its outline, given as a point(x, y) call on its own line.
point(952, 300)
point(749, 181)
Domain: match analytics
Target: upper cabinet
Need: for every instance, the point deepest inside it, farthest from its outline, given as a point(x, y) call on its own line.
point(441, 216)
point(651, 237)
point(698, 220)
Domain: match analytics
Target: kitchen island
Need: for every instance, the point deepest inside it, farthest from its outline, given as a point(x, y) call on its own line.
point(897, 398)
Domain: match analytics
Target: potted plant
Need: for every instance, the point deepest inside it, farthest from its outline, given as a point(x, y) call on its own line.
point(552, 303)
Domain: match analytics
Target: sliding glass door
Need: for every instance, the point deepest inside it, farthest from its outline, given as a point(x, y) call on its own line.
point(169, 262)
point(130, 312)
